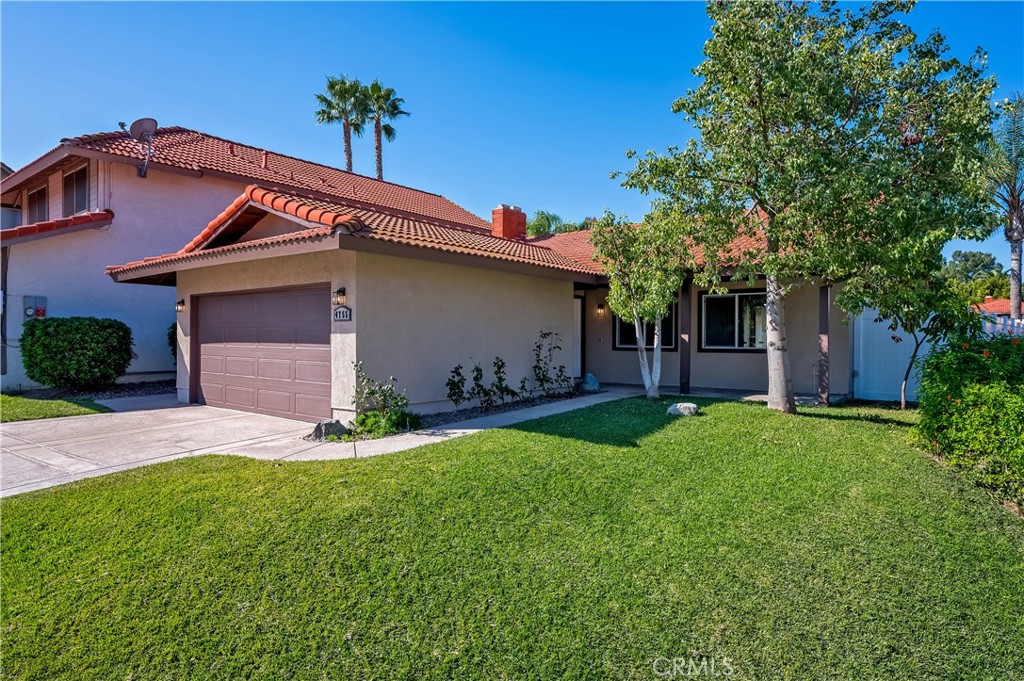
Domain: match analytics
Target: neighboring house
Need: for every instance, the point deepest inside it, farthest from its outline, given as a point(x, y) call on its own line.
point(284, 290)
point(996, 307)
point(82, 206)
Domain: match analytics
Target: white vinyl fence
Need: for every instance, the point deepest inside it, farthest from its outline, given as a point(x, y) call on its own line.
point(879, 361)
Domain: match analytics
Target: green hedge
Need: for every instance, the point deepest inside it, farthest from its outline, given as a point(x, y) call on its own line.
point(972, 410)
point(76, 352)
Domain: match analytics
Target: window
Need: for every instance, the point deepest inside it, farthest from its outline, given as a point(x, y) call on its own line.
point(38, 207)
point(733, 321)
point(625, 333)
point(76, 191)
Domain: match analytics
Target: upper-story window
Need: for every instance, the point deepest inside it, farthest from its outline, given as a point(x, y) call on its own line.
point(38, 206)
point(76, 191)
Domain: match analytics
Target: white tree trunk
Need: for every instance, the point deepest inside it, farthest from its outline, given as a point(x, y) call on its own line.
point(645, 370)
point(780, 381)
point(652, 390)
point(1015, 257)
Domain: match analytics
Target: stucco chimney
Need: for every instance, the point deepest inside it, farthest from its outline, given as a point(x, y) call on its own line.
point(508, 222)
point(988, 299)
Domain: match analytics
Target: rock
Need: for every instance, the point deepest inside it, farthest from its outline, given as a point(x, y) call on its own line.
point(328, 427)
point(590, 384)
point(683, 409)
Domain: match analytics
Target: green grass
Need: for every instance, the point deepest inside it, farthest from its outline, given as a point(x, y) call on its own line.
point(579, 546)
point(14, 408)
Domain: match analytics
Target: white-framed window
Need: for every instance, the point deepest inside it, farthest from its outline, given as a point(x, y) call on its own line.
point(625, 333)
point(76, 191)
point(38, 206)
point(734, 321)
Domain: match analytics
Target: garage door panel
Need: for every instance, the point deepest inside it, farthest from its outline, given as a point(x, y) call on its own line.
point(267, 352)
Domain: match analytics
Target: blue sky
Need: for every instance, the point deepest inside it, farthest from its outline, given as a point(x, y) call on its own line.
point(529, 103)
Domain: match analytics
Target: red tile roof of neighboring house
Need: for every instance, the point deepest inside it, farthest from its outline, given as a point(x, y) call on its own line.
point(45, 228)
point(360, 223)
point(997, 306)
point(196, 151)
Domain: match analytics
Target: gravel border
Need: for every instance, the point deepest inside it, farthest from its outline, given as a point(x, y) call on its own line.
point(140, 389)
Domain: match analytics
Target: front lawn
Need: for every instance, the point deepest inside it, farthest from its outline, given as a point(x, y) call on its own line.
point(594, 544)
point(13, 408)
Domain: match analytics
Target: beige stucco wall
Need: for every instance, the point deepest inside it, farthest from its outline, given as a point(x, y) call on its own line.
point(619, 366)
point(336, 267)
point(418, 319)
point(152, 216)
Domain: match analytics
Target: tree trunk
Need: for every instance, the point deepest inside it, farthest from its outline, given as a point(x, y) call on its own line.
point(906, 374)
point(780, 381)
point(1015, 255)
point(652, 392)
point(645, 370)
point(347, 128)
point(377, 142)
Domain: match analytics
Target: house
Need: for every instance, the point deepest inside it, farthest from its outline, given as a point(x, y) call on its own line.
point(283, 290)
point(82, 206)
point(996, 307)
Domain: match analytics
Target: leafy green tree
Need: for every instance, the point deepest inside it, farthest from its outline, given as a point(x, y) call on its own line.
point(971, 265)
point(382, 106)
point(1006, 173)
point(645, 272)
point(850, 147)
point(995, 284)
point(543, 222)
point(344, 101)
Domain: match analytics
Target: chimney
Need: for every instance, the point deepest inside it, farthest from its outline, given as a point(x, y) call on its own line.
point(263, 160)
point(988, 299)
point(508, 222)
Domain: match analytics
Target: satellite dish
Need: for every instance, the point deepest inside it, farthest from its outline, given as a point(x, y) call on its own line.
point(142, 131)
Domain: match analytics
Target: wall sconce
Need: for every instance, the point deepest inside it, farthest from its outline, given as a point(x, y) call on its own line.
point(180, 306)
point(339, 296)
point(600, 310)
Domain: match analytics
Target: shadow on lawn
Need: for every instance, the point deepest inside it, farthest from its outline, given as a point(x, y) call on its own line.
point(834, 415)
point(622, 423)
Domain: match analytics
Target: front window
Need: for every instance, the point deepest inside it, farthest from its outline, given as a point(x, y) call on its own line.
point(625, 333)
point(76, 192)
point(734, 321)
point(38, 208)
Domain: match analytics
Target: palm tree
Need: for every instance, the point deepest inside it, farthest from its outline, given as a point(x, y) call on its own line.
point(1006, 172)
point(544, 222)
point(344, 102)
point(382, 106)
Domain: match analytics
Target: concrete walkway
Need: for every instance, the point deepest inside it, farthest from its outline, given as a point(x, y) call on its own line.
point(146, 430)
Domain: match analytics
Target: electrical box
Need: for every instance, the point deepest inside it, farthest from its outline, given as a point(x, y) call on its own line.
point(35, 306)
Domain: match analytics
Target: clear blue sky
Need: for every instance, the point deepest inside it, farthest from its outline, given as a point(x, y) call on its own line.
point(531, 103)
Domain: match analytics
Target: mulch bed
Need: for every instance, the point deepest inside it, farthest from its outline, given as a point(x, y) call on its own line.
point(429, 421)
point(111, 392)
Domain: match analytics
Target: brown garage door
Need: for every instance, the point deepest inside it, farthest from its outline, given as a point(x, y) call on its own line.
point(267, 351)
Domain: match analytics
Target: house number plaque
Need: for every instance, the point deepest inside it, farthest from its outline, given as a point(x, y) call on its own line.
point(343, 314)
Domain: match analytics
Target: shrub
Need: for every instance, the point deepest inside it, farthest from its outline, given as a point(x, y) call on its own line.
point(76, 352)
point(480, 391)
point(376, 424)
point(972, 410)
point(456, 385)
point(172, 340)
point(500, 386)
point(378, 396)
point(549, 379)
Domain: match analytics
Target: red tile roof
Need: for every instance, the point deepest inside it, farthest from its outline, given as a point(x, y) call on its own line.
point(361, 223)
point(41, 229)
point(191, 150)
point(997, 306)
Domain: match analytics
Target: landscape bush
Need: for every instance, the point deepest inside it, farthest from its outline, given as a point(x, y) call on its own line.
point(76, 353)
point(381, 409)
point(172, 340)
point(971, 402)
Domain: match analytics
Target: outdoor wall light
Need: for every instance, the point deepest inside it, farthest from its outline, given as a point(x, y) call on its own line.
point(600, 309)
point(180, 306)
point(339, 296)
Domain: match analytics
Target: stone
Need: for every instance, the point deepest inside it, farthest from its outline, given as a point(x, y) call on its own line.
point(683, 409)
point(590, 384)
point(328, 427)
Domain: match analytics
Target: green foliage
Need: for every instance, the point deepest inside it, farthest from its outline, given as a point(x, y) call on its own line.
point(480, 390)
point(377, 424)
point(996, 285)
point(543, 222)
point(344, 101)
point(76, 352)
point(13, 408)
point(172, 340)
point(972, 409)
point(968, 266)
point(382, 105)
point(499, 386)
point(456, 385)
point(380, 396)
point(548, 378)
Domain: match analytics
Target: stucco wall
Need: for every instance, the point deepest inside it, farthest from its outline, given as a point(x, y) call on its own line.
point(336, 267)
point(152, 216)
point(418, 319)
point(619, 366)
